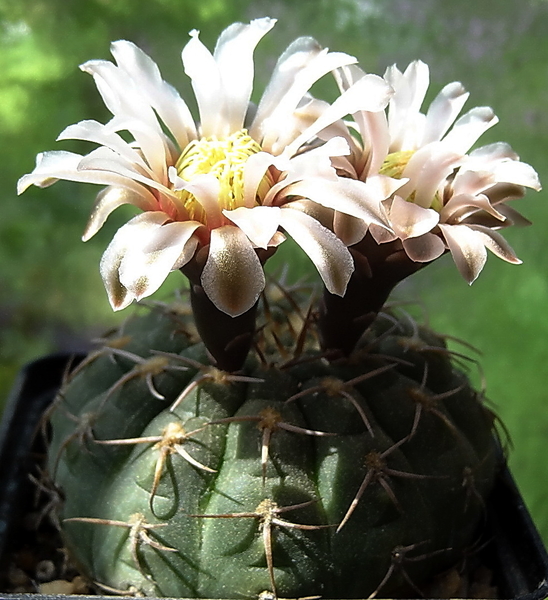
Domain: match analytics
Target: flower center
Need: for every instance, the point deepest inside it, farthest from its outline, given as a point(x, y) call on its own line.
point(394, 165)
point(225, 159)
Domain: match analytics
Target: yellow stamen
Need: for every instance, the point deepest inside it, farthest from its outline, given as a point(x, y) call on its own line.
point(395, 163)
point(225, 159)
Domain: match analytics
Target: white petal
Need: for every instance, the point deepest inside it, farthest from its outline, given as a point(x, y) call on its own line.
point(259, 223)
point(496, 243)
point(443, 111)
point(234, 56)
point(233, 277)
point(109, 200)
point(405, 121)
point(150, 140)
point(409, 220)
point(492, 152)
point(504, 192)
point(471, 182)
point(425, 248)
point(467, 248)
point(144, 269)
point(382, 235)
point(105, 165)
point(304, 79)
point(52, 166)
point(293, 60)
point(371, 93)
point(324, 248)
point(513, 217)
point(349, 230)
point(127, 239)
point(374, 132)
point(462, 206)
point(205, 188)
point(517, 172)
point(317, 161)
point(383, 186)
point(345, 195)
point(207, 84)
point(255, 168)
point(92, 131)
point(123, 98)
point(426, 170)
point(167, 102)
point(469, 128)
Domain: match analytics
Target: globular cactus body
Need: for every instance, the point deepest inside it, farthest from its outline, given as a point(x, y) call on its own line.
point(297, 475)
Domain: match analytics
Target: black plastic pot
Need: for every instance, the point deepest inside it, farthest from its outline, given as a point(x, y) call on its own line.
point(513, 549)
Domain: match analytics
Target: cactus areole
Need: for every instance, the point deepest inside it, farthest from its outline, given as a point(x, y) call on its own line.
point(294, 476)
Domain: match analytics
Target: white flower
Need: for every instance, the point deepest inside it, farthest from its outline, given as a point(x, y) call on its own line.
point(221, 190)
point(450, 198)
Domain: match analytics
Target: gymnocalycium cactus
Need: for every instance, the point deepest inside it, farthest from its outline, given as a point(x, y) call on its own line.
point(255, 441)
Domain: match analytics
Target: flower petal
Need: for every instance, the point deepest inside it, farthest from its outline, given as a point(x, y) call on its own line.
point(443, 111)
point(496, 243)
point(405, 121)
point(467, 249)
point(469, 128)
point(382, 235)
point(293, 60)
point(426, 170)
point(374, 132)
point(144, 269)
point(207, 84)
point(408, 220)
point(255, 169)
point(471, 182)
point(318, 66)
point(55, 165)
point(165, 99)
point(205, 188)
point(371, 94)
point(518, 173)
point(513, 217)
point(349, 196)
point(92, 131)
point(425, 248)
point(125, 101)
point(109, 200)
point(463, 206)
point(234, 56)
point(349, 230)
point(324, 248)
point(233, 277)
point(259, 223)
point(126, 240)
point(50, 167)
point(106, 166)
point(503, 163)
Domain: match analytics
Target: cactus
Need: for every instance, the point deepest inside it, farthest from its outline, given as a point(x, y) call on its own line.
point(295, 475)
point(228, 447)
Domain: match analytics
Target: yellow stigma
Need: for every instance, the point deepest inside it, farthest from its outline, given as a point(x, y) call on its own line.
point(225, 159)
point(394, 165)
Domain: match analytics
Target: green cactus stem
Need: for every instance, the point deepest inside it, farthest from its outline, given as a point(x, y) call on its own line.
point(295, 476)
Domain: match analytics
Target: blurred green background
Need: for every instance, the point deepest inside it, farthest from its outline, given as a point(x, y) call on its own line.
point(51, 295)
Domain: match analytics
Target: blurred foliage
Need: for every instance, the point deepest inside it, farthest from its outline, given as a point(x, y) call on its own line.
point(51, 296)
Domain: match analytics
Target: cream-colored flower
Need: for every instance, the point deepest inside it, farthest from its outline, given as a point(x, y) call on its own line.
point(224, 189)
point(450, 198)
